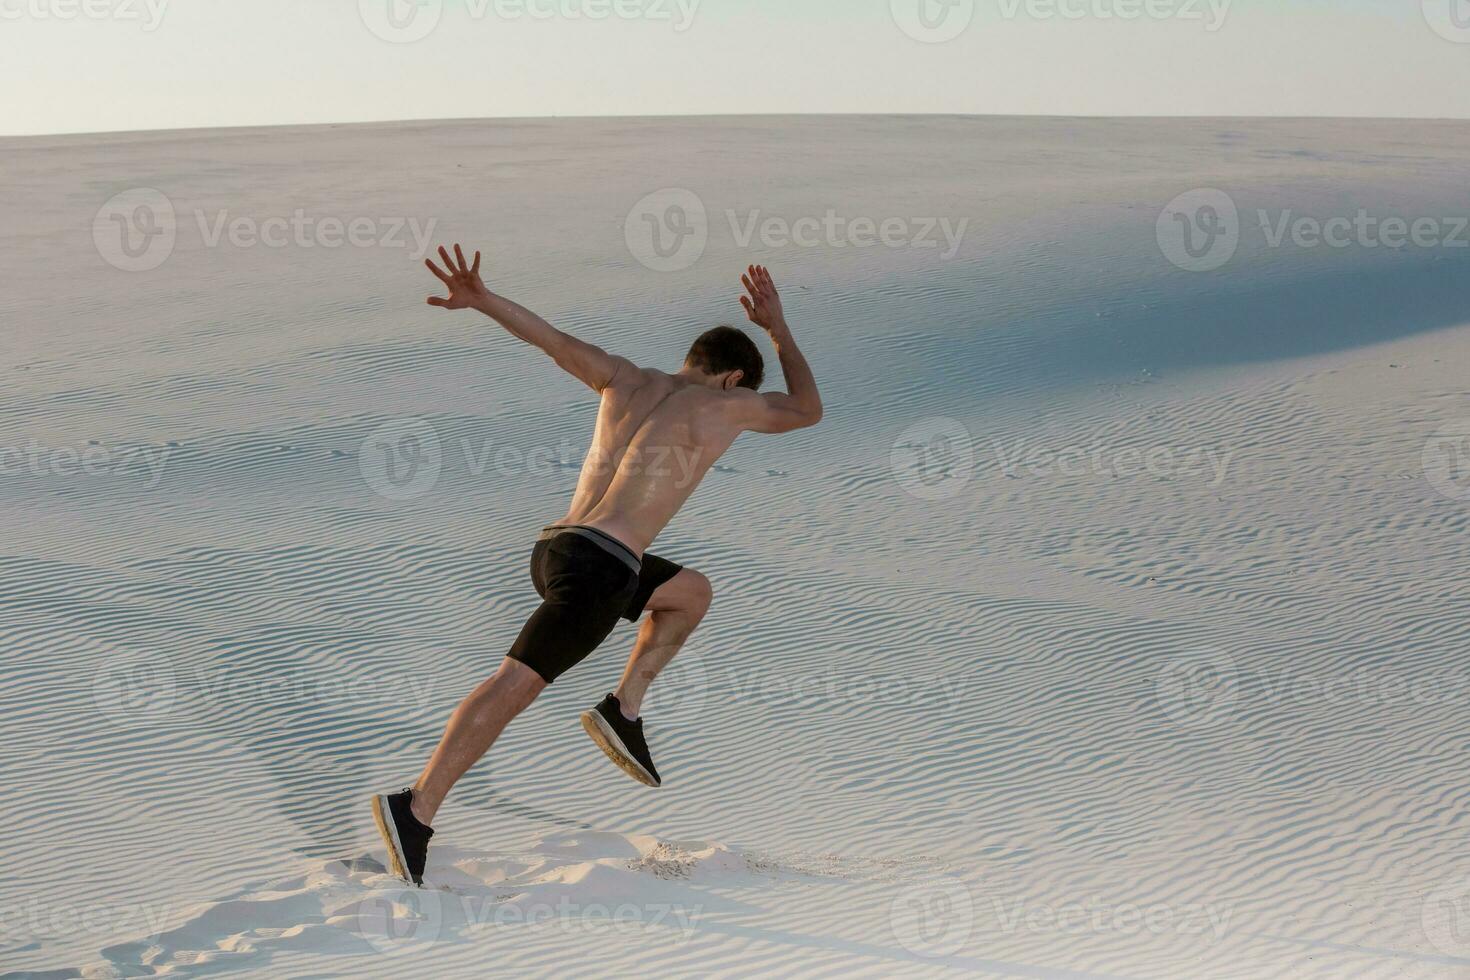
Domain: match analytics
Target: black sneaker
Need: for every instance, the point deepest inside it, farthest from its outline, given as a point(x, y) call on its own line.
point(407, 839)
point(621, 739)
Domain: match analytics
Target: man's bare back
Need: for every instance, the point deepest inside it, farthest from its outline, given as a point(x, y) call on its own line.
point(657, 436)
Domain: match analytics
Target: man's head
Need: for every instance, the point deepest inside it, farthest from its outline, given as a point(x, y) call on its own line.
point(726, 358)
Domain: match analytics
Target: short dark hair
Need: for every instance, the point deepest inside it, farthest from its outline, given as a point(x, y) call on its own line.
point(727, 349)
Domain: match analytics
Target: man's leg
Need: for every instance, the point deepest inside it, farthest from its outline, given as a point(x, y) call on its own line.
point(473, 728)
point(677, 607)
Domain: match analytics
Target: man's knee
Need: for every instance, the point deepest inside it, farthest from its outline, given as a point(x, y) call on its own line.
point(701, 592)
point(522, 684)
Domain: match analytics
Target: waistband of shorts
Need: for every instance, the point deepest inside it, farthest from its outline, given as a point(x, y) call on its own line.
point(602, 539)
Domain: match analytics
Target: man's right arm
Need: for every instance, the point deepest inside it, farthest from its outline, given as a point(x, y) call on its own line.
point(800, 405)
point(590, 364)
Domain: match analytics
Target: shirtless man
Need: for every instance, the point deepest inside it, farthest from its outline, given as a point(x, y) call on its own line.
point(657, 435)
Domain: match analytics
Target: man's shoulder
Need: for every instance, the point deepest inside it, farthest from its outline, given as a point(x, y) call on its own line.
point(630, 376)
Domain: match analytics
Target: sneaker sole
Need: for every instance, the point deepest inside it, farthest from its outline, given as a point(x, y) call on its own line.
point(382, 816)
point(614, 749)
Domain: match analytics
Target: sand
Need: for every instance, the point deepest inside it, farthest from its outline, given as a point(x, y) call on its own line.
point(1113, 623)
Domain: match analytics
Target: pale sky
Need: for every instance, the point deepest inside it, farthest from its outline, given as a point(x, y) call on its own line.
point(102, 65)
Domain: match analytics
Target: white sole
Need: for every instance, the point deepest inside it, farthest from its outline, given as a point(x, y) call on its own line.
point(383, 817)
point(614, 749)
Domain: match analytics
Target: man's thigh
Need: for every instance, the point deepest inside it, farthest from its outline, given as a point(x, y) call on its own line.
point(559, 635)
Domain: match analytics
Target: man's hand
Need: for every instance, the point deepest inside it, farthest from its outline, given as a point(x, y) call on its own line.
point(466, 289)
point(763, 304)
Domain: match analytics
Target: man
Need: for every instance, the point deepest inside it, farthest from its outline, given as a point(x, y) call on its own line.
point(657, 435)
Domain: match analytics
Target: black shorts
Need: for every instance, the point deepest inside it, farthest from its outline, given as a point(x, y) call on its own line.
point(587, 581)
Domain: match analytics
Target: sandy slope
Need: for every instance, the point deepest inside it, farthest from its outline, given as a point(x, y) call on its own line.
point(1113, 623)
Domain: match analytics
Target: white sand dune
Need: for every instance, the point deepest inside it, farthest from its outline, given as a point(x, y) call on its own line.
point(1114, 622)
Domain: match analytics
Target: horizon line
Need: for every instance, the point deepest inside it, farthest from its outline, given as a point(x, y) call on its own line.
point(459, 120)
